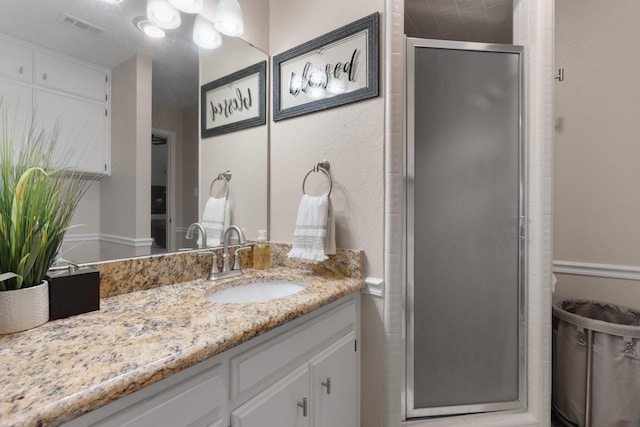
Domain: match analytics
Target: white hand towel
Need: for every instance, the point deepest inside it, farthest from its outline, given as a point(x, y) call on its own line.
point(215, 219)
point(310, 235)
point(330, 241)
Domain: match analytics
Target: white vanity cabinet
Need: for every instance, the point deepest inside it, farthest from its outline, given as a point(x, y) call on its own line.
point(286, 403)
point(61, 90)
point(302, 374)
point(321, 393)
point(334, 385)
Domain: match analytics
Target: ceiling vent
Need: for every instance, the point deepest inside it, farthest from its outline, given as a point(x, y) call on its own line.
point(79, 24)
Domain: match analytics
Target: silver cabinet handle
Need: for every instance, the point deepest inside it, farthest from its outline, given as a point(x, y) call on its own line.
point(303, 405)
point(21, 70)
point(44, 76)
point(327, 384)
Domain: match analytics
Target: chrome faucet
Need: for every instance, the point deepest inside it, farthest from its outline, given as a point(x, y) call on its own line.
point(203, 234)
point(227, 271)
point(225, 245)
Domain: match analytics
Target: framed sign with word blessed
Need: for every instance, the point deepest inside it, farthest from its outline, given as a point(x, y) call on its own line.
point(334, 69)
point(233, 102)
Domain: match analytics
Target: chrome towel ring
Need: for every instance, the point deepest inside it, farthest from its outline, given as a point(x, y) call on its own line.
point(323, 167)
point(225, 177)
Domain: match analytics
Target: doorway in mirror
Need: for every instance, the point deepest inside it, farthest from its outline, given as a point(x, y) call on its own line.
point(162, 191)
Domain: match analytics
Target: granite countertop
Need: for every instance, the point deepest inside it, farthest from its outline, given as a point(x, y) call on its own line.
point(65, 368)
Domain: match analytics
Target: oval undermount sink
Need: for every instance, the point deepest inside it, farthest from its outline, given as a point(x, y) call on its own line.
point(257, 292)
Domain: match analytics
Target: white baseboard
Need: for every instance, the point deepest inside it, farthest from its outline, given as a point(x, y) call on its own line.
point(120, 240)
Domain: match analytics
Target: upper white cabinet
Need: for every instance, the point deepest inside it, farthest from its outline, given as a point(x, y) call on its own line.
point(82, 125)
point(64, 92)
point(18, 98)
point(16, 61)
point(70, 76)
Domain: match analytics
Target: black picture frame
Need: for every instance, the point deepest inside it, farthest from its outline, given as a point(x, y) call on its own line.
point(364, 30)
point(225, 105)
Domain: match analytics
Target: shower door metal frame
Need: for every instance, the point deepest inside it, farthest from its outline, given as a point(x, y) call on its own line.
point(408, 411)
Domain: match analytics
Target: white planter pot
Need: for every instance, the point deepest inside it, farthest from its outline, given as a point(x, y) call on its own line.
point(24, 309)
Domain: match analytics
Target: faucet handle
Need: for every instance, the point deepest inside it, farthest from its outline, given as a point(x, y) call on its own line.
point(214, 265)
point(236, 257)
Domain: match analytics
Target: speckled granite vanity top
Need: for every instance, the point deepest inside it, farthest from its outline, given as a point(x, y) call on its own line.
point(57, 372)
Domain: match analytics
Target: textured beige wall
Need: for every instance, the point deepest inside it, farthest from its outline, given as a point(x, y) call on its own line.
point(187, 174)
point(597, 203)
point(351, 137)
point(244, 152)
point(125, 208)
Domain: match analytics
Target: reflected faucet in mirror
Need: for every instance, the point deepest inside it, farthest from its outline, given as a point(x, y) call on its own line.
point(202, 241)
point(161, 202)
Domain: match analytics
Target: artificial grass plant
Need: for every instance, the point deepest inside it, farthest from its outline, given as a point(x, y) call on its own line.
point(37, 200)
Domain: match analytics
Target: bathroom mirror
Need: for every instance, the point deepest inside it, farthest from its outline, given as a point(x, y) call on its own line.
point(151, 197)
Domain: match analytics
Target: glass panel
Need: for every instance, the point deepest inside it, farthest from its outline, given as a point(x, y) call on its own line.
point(466, 246)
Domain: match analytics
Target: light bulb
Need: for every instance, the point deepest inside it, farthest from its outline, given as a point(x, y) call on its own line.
point(336, 86)
point(204, 34)
point(187, 6)
point(143, 24)
point(316, 92)
point(228, 18)
point(162, 14)
point(153, 31)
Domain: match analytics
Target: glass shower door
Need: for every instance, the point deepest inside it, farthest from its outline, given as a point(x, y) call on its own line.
point(465, 235)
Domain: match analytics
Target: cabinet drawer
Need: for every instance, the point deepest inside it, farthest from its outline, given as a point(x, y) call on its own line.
point(280, 354)
point(16, 61)
point(180, 405)
point(62, 74)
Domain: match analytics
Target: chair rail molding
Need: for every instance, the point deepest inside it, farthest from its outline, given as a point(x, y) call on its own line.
point(609, 271)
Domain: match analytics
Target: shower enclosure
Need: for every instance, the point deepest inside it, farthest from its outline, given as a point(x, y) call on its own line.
point(465, 229)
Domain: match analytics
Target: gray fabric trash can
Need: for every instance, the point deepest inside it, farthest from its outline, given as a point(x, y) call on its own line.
point(596, 363)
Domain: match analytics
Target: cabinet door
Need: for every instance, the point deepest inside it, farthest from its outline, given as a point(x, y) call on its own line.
point(334, 385)
point(62, 74)
point(17, 100)
point(82, 141)
point(279, 405)
point(16, 61)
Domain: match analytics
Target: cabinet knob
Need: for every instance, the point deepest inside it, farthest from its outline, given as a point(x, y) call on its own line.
point(327, 384)
point(303, 405)
point(21, 70)
point(44, 76)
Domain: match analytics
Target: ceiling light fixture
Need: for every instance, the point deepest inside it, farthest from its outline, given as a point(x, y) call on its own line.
point(187, 6)
point(113, 1)
point(204, 33)
point(143, 24)
point(228, 19)
point(162, 14)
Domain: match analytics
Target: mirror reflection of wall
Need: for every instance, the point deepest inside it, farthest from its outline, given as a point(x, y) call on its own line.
point(151, 84)
point(242, 152)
